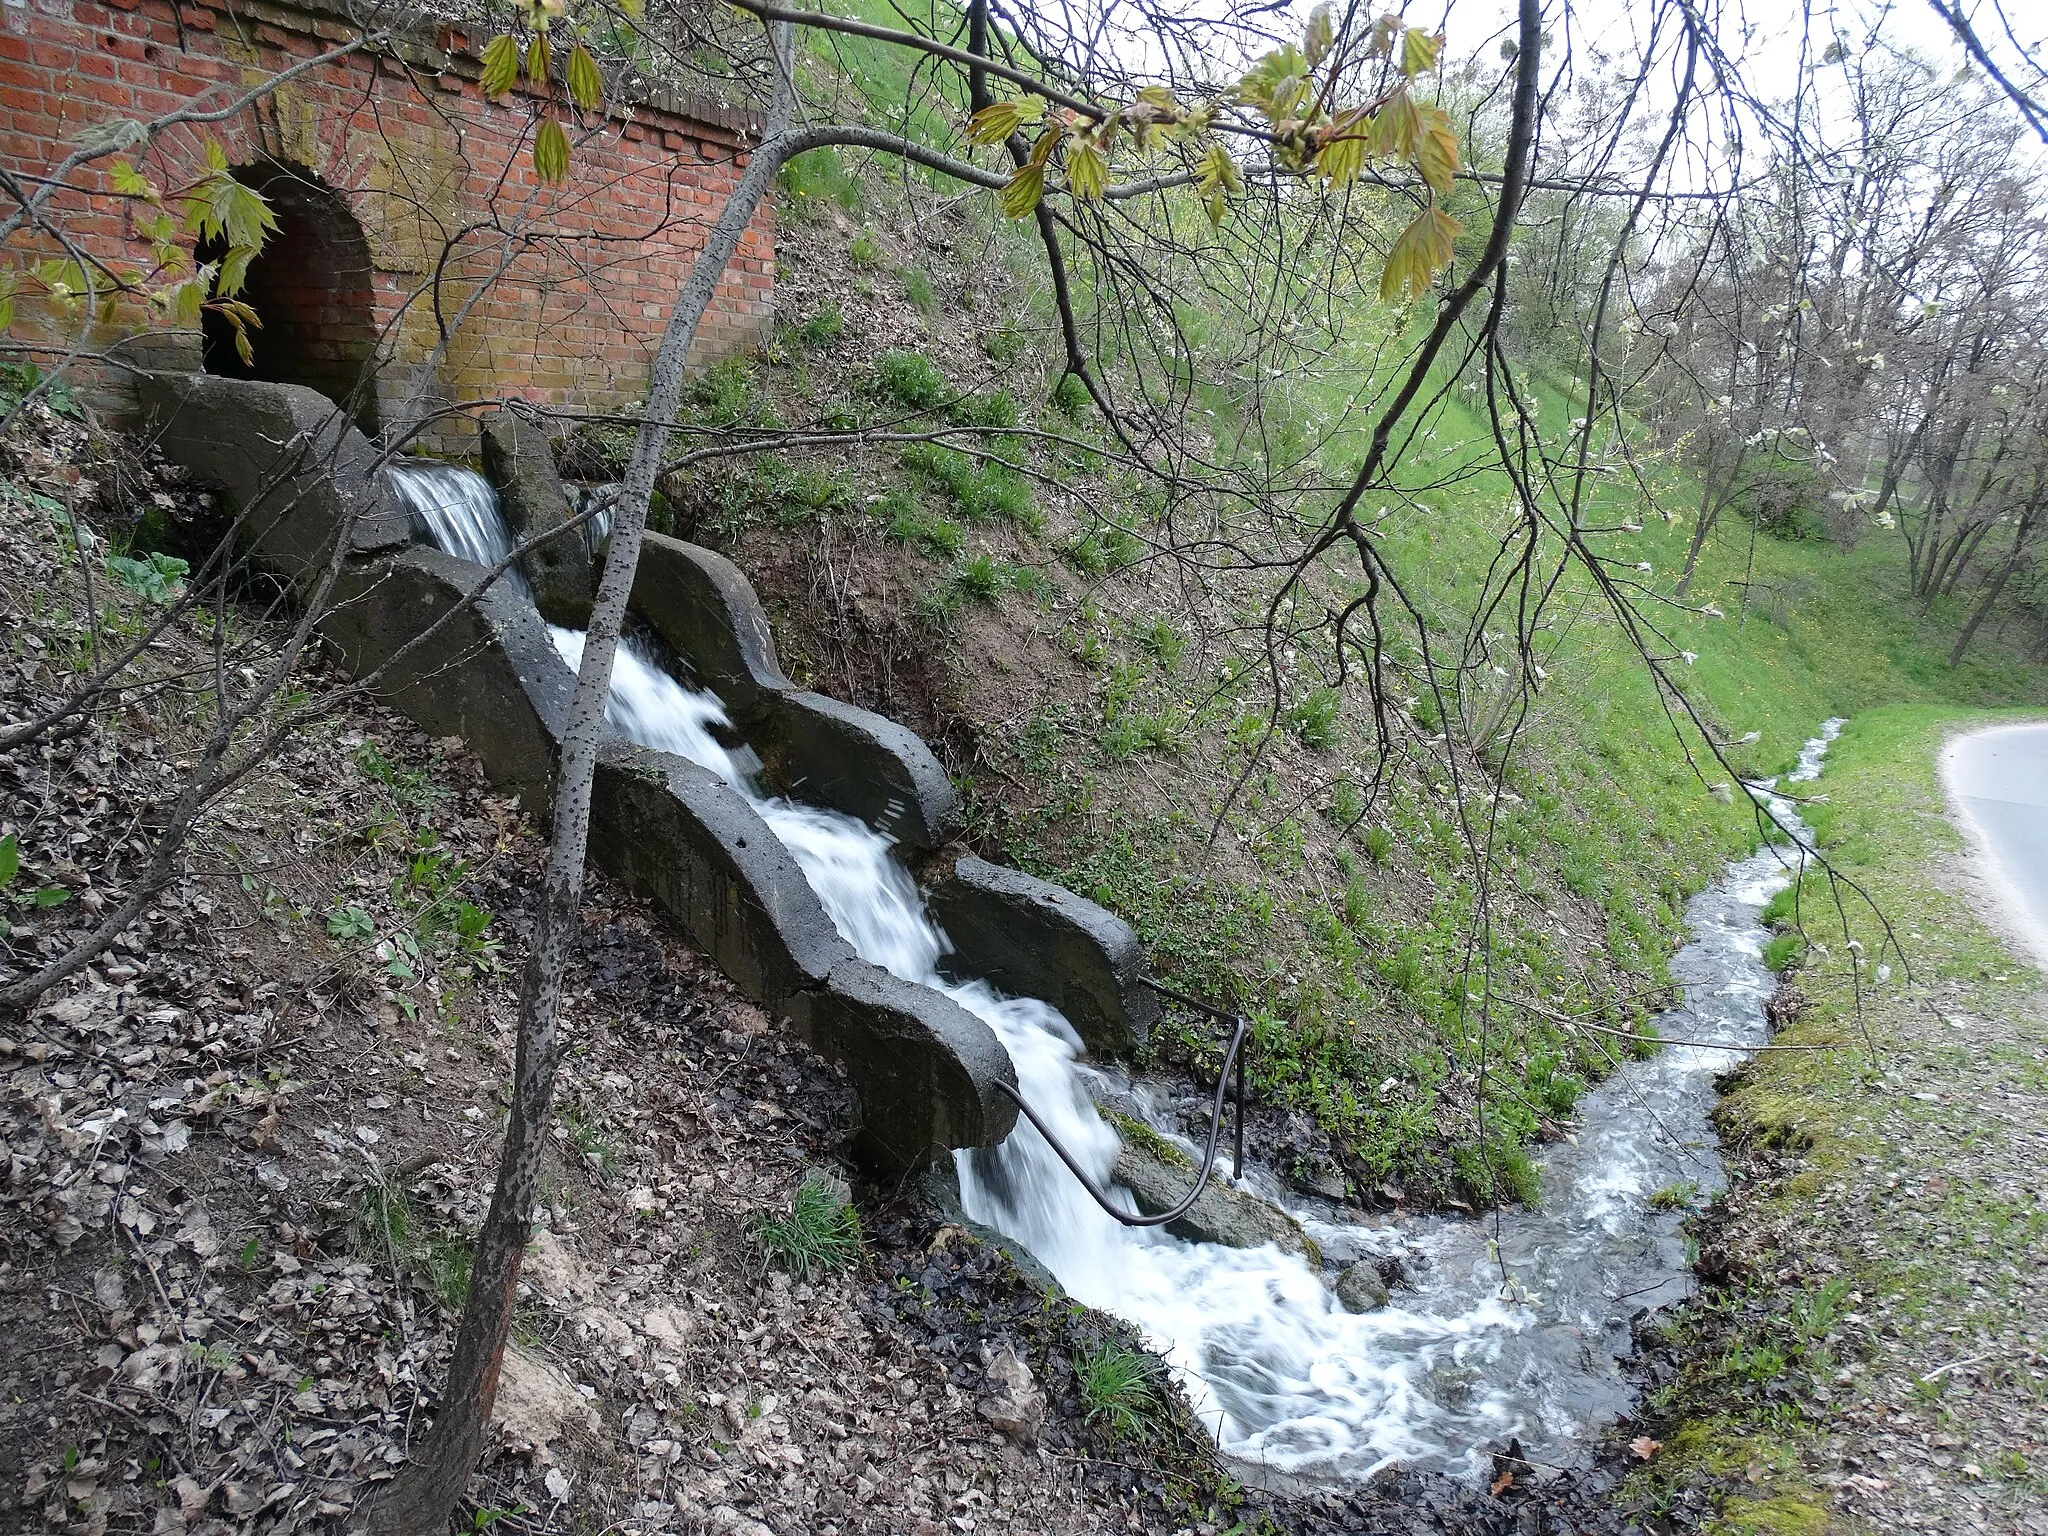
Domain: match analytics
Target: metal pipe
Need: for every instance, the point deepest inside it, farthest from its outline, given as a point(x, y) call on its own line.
point(1232, 1058)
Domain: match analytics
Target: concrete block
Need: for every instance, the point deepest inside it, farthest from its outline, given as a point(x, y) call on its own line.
point(521, 467)
point(924, 1068)
point(290, 461)
point(1035, 939)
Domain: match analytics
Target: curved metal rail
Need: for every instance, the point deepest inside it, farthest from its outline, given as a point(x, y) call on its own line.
point(1233, 1058)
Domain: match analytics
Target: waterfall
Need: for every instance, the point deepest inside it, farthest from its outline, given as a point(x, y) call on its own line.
point(1279, 1372)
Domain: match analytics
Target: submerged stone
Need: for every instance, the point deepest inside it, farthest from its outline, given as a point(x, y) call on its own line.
point(1362, 1288)
point(1220, 1215)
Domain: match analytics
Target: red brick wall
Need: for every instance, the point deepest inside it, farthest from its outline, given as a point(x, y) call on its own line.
point(469, 279)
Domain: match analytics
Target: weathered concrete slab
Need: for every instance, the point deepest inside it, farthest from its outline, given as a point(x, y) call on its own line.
point(488, 674)
point(813, 748)
point(824, 751)
point(521, 467)
point(924, 1068)
point(678, 833)
point(290, 461)
point(1036, 939)
point(707, 611)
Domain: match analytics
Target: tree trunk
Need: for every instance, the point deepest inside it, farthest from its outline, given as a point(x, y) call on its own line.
point(423, 1499)
point(1991, 592)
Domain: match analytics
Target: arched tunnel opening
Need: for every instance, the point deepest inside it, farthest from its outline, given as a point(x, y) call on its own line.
point(313, 291)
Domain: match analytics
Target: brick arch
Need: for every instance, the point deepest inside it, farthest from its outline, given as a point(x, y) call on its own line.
point(313, 289)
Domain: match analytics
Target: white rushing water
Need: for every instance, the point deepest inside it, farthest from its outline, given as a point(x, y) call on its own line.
point(1282, 1374)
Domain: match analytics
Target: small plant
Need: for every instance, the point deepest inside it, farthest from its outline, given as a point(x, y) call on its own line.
point(912, 380)
point(864, 252)
point(984, 578)
point(1164, 643)
point(155, 578)
point(1379, 844)
point(821, 1232)
point(19, 380)
point(1315, 722)
point(1106, 549)
point(1070, 395)
point(1783, 951)
point(1119, 1389)
point(911, 524)
point(1675, 1197)
point(350, 924)
point(1004, 345)
point(917, 288)
point(996, 410)
point(31, 896)
point(727, 392)
point(821, 329)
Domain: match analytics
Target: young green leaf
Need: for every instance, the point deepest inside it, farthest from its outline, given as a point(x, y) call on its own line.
point(1022, 191)
point(1436, 149)
point(1343, 154)
point(1395, 127)
point(551, 152)
point(501, 65)
point(538, 60)
point(10, 859)
point(130, 182)
point(1087, 171)
point(1423, 250)
point(1320, 36)
point(586, 85)
point(995, 123)
point(1418, 51)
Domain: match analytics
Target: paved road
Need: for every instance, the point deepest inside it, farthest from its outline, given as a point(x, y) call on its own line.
point(1999, 779)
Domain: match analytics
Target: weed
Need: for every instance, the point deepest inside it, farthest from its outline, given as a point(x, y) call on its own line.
point(19, 380)
point(1164, 643)
point(34, 897)
point(917, 288)
point(822, 329)
point(156, 578)
point(1071, 396)
point(981, 491)
point(385, 1228)
point(865, 252)
point(911, 524)
point(1314, 721)
point(1675, 1197)
point(912, 380)
point(984, 578)
point(350, 924)
point(1782, 951)
point(1119, 1389)
point(996, 410)
point(1004, 345)
point(728, 392)
point(815, 178)
point(821, 1232)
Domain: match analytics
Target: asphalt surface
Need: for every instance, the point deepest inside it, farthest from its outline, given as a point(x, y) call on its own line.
point(1999, 779)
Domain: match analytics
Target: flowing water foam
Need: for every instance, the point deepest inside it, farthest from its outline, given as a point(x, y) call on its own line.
point(1512, 1326)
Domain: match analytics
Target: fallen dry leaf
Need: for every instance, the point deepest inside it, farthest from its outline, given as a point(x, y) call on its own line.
point(1644, 1447)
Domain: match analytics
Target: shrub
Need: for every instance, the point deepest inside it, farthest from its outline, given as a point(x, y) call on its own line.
point(911, 379)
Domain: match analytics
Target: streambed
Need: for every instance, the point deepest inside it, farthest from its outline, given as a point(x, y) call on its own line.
point(1514, 1324)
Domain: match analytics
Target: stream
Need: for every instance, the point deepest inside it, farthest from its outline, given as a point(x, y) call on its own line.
point(1511, 1326)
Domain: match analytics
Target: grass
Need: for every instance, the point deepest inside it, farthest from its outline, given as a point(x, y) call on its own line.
point(819, 1234)
point(1119, 1389)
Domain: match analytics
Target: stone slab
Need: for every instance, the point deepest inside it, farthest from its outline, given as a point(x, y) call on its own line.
point(1031, 938)
point(521, 468)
